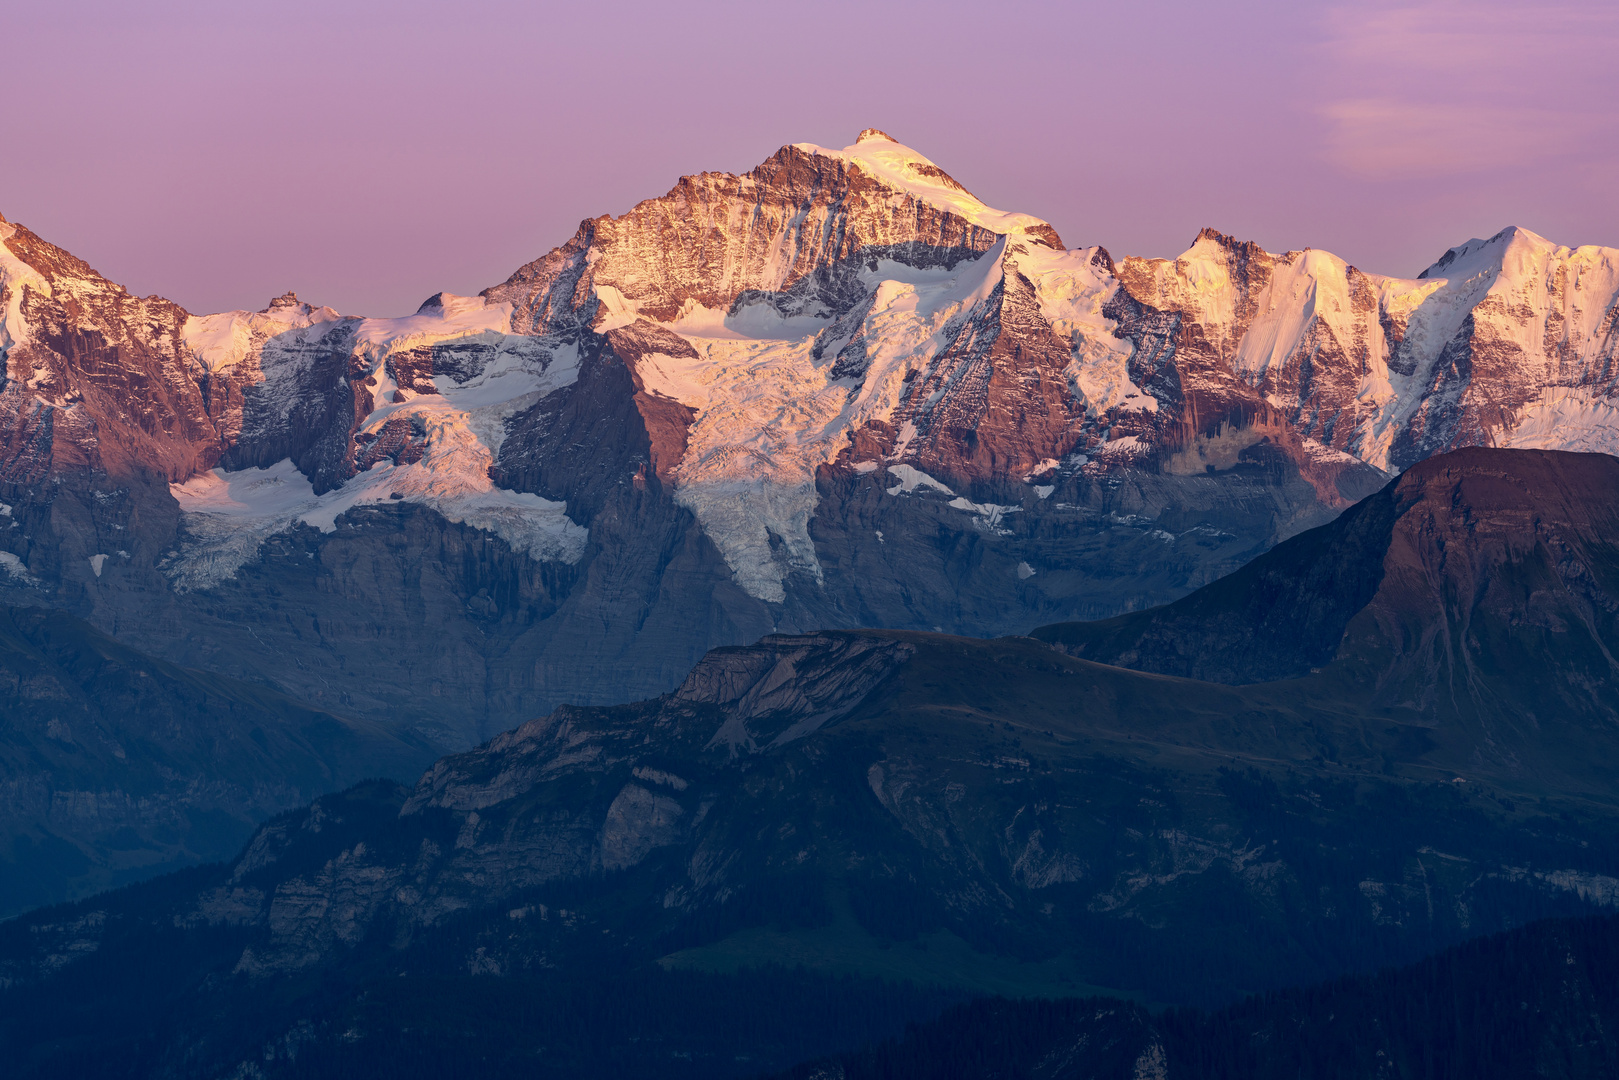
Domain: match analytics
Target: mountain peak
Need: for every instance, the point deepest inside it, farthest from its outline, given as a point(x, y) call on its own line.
point(1229, 243)
point(906, 169)
point(285, 300)
point(448, 304)
point(1497, 247)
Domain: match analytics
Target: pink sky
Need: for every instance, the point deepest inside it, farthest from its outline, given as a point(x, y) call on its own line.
point(368, 155)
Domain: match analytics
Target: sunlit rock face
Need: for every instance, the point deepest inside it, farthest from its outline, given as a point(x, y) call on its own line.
point(1508, 341)
point(838, 390)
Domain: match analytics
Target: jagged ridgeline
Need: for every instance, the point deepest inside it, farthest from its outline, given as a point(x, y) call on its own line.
point(900, 809)
point(835, 391)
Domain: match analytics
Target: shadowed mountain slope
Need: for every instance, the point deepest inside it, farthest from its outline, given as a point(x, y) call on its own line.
point(1480, 582)
point(983, 817)
point(114, 765)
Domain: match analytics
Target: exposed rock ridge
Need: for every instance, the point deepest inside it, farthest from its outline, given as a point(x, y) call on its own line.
point(97, 380)
point(792, 233)
point(786, 687)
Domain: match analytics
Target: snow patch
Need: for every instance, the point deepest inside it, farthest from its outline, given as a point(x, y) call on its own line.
point(223, 341)
point(768, 414)
point(911, 478)
point(451, 317)
point(1565, 419)
point(15, 275)
point(751, 322)
point(228, 515)
point(16, 569)
point(988, 515)
point(1024, 571)
point(1071, 288)
point(742, 517)
point(614, 310)
point(461, 429)
point(96, 563)
point(1125, 447)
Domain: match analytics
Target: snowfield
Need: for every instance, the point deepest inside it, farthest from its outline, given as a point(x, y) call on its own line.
point(769, 412)
point(1355, 362)
point(461, 426)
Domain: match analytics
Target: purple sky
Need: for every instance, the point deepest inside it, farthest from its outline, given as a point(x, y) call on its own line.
point(368, 155)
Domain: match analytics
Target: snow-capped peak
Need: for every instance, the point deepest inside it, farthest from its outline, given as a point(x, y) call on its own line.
point(1477, 256)
point(222, 341)
point(430, 437)
point(449, 305)
point(899, 166)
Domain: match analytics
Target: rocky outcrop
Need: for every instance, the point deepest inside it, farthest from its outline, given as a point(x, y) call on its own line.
point(793, 235)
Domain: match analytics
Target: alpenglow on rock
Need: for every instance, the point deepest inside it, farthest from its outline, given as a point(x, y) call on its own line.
point(835, 391)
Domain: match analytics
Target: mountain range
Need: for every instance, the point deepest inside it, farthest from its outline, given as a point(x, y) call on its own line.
point(901, 808)
point(815, 598)
point(835, 391)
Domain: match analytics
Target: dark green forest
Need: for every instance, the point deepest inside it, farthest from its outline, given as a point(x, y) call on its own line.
point(1540, 1001)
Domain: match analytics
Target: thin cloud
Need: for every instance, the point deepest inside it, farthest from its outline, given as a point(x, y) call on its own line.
point(1442, 88)
point(1476, 38)
point(1392, 139)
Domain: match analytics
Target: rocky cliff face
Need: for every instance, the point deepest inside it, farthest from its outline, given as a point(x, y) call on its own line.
point(837, 390)
point(96, 380)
